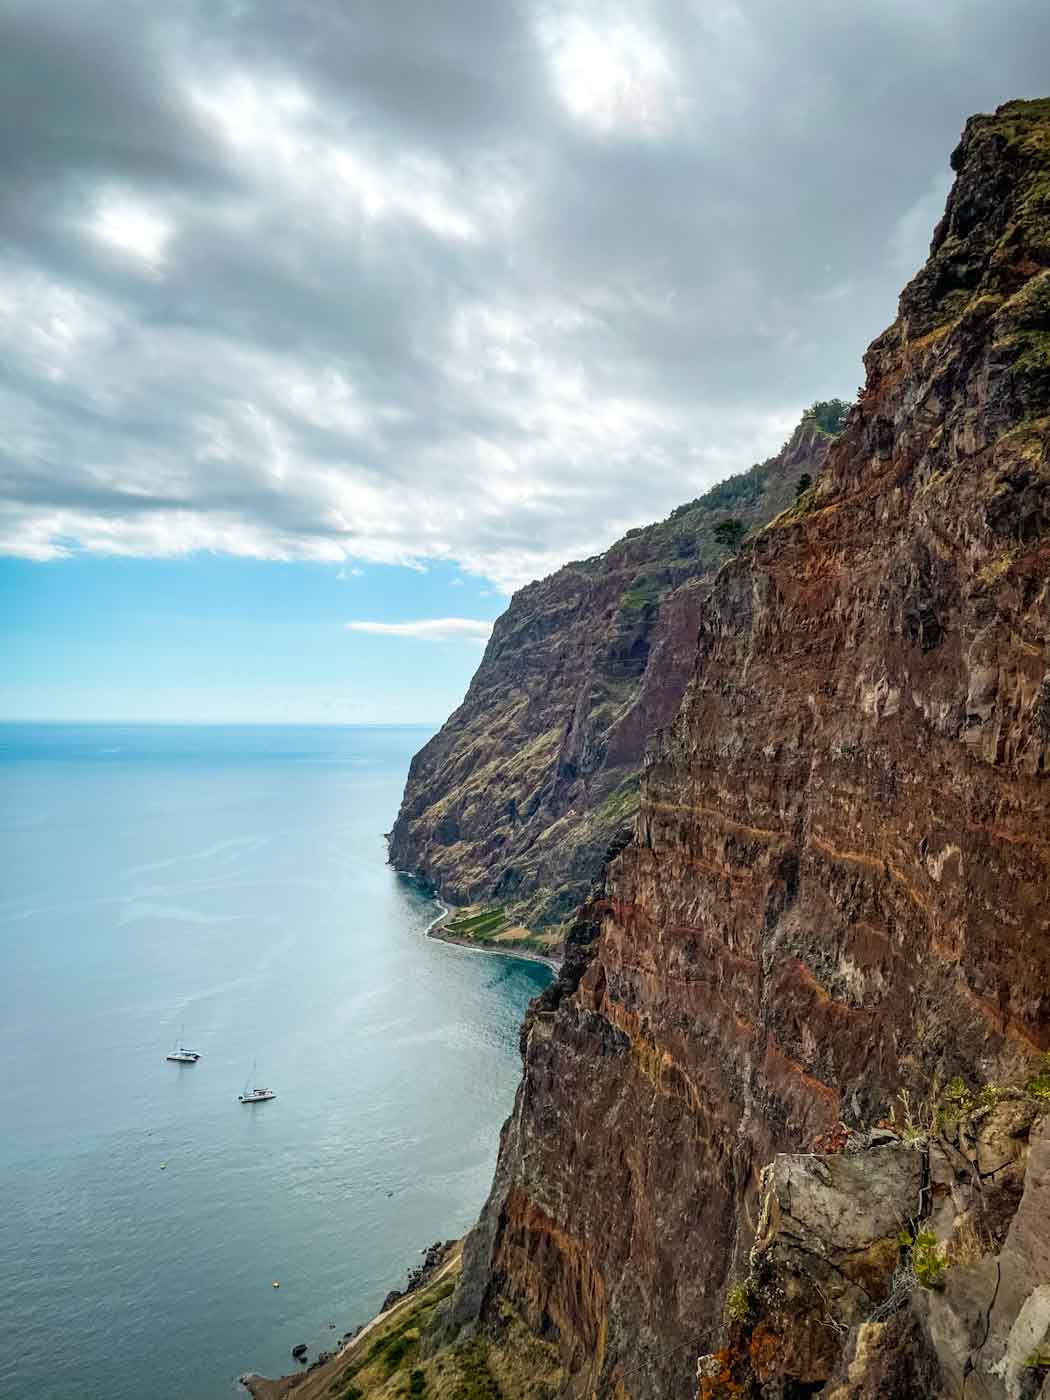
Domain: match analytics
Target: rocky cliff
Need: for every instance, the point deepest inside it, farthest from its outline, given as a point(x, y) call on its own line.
point(835, 909)
point(783, 1128)
point(514, 802)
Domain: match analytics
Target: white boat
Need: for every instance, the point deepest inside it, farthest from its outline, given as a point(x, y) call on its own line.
point(182, 1056)
point(254, 1095)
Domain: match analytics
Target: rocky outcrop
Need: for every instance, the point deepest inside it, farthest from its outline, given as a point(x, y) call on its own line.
point(838, 891)
point(515, 800)
point(902, 1270)
point(434, 1257)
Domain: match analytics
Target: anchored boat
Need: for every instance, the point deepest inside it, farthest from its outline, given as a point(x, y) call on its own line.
point(182, 1056)
point(254, 1095)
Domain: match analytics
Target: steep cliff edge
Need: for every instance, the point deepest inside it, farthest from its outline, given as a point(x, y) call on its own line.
point(839, 886)
point(783, 1128)
point(514, 802)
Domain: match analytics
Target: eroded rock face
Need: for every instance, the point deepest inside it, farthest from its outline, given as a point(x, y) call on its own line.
point(954, 1295)
point(517, 797)
point(992, 1317)
point(839, 886)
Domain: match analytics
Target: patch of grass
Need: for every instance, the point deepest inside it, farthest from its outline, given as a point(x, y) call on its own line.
point(1038, 1086)
point(343, 1387)
point(482, 925)
point(968, 1243)
point(954, 303)
point(741, 490)
point(738, 1303)
point(475, 1380)
point(392, 1350)
point(959, 1100)
point(998, 565)
point(645, 592)
point(621, 803)
point(349, 1391)
point(1029, 308)
point(389, 1356)
point(956, 1102)
point(916, 1122)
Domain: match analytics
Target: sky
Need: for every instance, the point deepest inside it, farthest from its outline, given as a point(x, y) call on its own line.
point(325, 324)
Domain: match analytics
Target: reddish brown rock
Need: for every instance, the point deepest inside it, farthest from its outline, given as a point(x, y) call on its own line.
point(516, 799)
point(839, 886)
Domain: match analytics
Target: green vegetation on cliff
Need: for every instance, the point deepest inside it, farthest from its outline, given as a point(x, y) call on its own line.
point(511, 807)
point(395, 1358)
point(827, 414)
point(492, 928)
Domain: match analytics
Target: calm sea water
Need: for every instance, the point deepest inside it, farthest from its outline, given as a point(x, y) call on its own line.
point(231, 883)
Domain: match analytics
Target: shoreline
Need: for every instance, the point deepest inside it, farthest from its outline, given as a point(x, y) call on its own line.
point(263, 1387)
point(321, 1372)
point(434, 930)
point(525, 954)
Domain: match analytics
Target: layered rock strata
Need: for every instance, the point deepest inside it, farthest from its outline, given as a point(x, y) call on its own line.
point(838, 891)
point(513, 803)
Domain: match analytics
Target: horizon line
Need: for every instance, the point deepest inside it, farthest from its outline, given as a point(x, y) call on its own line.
point(241, 723)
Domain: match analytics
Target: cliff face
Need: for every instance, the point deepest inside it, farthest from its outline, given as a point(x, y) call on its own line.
point(839, 885)
point(515, 800)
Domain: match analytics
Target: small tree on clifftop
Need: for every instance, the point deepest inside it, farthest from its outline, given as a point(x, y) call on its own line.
point(827, 414)
point(730, 533)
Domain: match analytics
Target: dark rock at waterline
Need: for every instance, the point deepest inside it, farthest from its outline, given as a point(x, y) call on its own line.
point(299, 1352)
point(433, 1257)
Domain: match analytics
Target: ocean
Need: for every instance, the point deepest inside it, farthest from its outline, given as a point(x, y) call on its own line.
point(228, 885)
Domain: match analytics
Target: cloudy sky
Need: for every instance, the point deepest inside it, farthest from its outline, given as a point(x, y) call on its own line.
point(317, 312)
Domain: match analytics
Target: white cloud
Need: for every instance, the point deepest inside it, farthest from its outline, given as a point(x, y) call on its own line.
point(611, 73)
point(305, 282)
point(431, 629)
point(909, 240)
point(132, 228)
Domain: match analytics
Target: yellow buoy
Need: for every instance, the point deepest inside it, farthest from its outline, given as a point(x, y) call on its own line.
point(163, 1165)
point(276, 1284)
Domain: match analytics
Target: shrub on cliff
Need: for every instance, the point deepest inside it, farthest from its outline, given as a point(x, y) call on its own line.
point(827, 414)
point(730, 533)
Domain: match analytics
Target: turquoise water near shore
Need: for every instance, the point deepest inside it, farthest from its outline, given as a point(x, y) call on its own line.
point(231, 882)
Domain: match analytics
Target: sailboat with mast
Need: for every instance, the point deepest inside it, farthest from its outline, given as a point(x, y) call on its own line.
point(181, 1055)
point(252, 1094)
